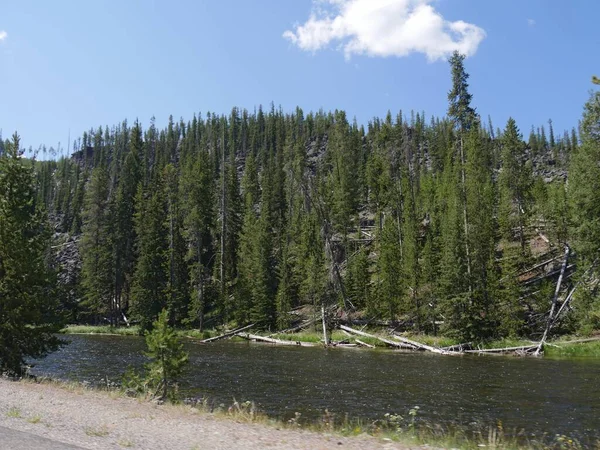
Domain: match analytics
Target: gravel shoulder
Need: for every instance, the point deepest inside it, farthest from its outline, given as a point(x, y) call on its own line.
point(103, 420)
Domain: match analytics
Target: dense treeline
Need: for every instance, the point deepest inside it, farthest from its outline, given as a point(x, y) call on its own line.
point(240, 218)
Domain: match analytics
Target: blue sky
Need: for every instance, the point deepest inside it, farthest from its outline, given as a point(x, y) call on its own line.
point(72, 65)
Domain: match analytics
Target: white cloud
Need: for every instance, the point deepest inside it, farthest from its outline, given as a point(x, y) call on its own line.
point(531, 22)
point(384, 28)
point(3, 35)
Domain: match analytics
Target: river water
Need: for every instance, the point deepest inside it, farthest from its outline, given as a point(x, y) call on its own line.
point(533, 395)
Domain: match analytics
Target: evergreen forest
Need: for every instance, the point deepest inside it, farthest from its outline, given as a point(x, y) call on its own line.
point(439, 225)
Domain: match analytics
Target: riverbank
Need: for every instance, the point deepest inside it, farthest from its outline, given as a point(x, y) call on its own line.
point(77, 415)
point(561, 347)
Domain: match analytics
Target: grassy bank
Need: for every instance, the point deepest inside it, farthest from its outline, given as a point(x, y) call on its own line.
point(581, 349)
point(133, 330)
point(406, 428)
point(101, 329)
point(557, 348)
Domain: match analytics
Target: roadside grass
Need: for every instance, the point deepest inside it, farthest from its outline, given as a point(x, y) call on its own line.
point(407, 429)
point(14, 413)
point(100, 431)
point(34, 419)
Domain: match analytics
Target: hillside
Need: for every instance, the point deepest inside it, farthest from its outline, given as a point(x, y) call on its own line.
point(441, 225)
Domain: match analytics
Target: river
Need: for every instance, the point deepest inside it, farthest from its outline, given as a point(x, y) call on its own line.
point(533, 395)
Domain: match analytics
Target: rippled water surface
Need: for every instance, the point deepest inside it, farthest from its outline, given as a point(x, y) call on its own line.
point(534, 395)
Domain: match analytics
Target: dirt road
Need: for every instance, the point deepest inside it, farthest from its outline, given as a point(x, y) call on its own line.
point(101, 420)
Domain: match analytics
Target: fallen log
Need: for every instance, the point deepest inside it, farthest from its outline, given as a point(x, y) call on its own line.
point(227, 334)
point(458, 347)
point(343, 345)
point(537, 266)
point(549, 275)
point(420, 346)
point(297, 328)
point(255, 337)
point(522, 348)
point(363, 344)
point(543, 236)
point(386, 341)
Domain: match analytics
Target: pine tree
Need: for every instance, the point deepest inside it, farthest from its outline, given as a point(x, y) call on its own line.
point(463, 116)
point(313, 272)
point(285, 291)
point(389, 270)
point(342, 178)
point(410, 249)
point(197, 191)
point(256, 299)
point(584, 183)
point(96, 247)
point(30, 315)
point(124, 241)
point(480, 204)
point(177, 287)
point(229, 234)
point(379, 182)
point(151, 276)
point(584, 202)
point(358, 284)
point(460, 110)
point(167, 362)
point(453, 285)
point(515, 184)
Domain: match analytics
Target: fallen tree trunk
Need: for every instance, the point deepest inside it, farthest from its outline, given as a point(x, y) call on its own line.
point(525, 348)
point(458, 347)
point(537, 266)
point(420, 346)
point(386, 341)
point(255, 337)
point(343, 345)
point(543, 236)
point(227, 334)
point(549, 275)
point(363, 344)
point(297, 328)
